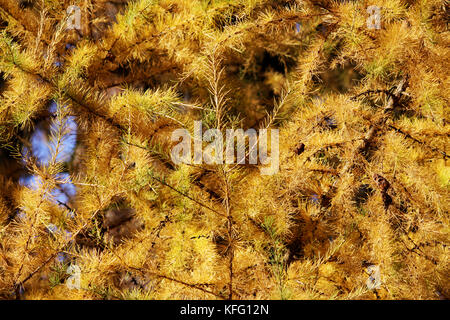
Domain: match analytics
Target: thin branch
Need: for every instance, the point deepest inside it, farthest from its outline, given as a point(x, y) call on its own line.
point(185, 195)
point(407, 135)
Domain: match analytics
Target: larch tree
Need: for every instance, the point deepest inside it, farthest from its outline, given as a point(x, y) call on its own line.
point(350, 101)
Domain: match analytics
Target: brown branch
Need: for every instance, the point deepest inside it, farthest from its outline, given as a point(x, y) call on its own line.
point(230, 236)
point(368, 92)
point(158, 275)
point(185, 195)
point(377, 125)
point(407, 135)
point(17, 285)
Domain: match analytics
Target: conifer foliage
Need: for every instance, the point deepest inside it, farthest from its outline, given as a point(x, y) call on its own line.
point(92, 205)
